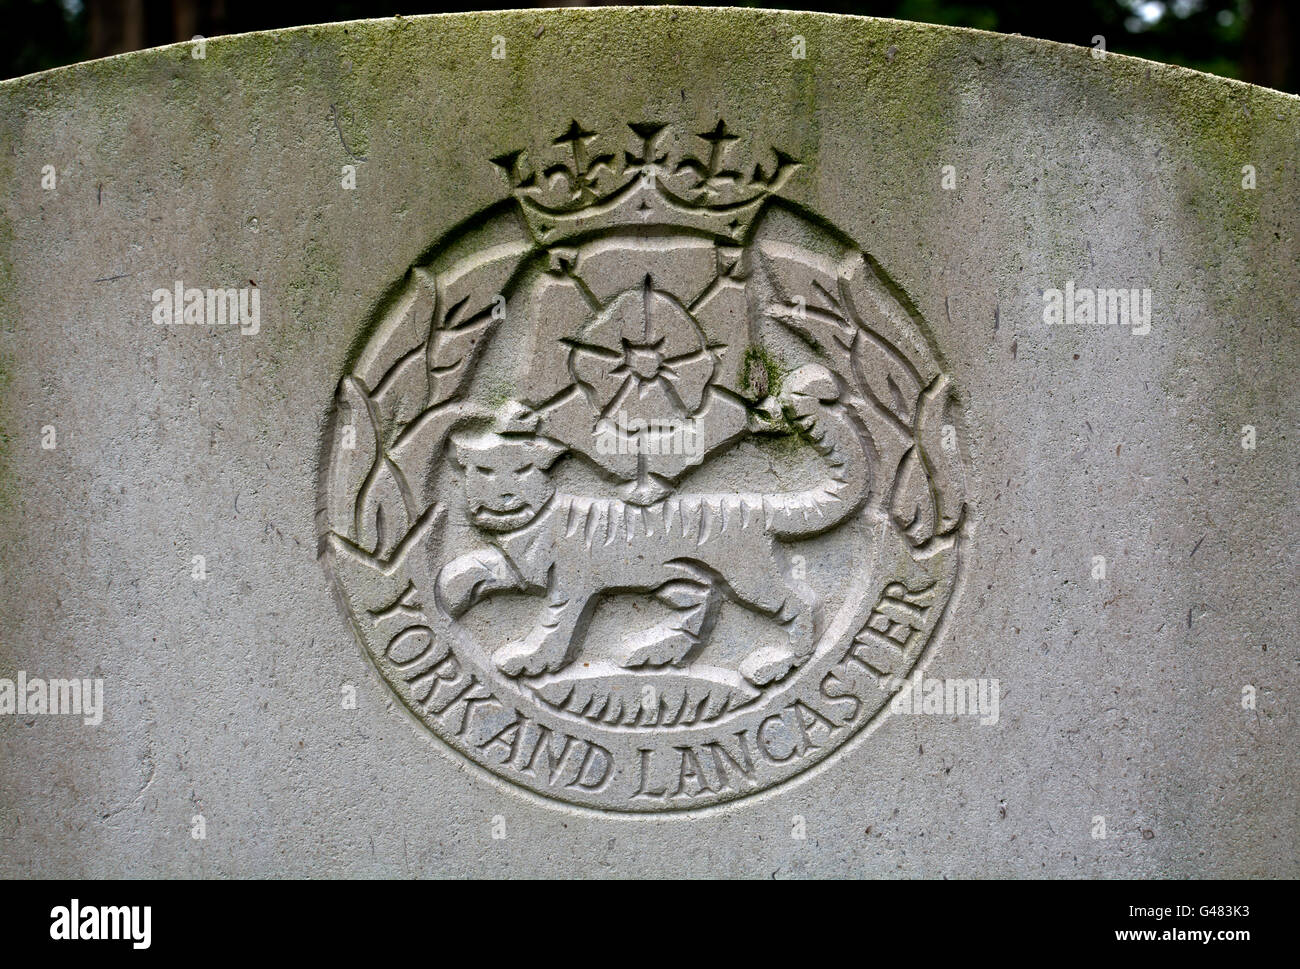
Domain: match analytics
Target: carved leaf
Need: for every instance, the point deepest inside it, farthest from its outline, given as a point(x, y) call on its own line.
point(357, 444)
point(401, 395)
point(471, 291)
point(804, 299)
point(382, 519)
point(912, 504)
point(403, 325)
point(450, 356)
point(940, 460)
point(885, 377)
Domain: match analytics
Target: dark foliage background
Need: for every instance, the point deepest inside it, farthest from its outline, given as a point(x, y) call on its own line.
point(1254, 40)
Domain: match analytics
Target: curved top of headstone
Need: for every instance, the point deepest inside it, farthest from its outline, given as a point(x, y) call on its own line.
point(370, 43)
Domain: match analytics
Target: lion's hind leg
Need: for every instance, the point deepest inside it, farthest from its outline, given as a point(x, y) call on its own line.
point(792, 604)
point(695, 606)
point(549, 646)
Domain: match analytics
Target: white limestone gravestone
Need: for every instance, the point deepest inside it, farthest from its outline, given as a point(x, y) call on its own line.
point(646, 442)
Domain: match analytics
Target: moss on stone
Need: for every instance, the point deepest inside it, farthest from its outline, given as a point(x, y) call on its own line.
point(760, 374)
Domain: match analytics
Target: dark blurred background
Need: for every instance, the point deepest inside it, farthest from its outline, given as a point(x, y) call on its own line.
point(1254, 40)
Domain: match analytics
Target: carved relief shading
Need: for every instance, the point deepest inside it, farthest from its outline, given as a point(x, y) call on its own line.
point(645, 489)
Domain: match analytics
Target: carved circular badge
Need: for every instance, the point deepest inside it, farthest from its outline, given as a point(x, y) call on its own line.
point(644, 491)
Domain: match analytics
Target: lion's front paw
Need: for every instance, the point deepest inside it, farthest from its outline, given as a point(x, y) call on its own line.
point(456, 586)
point(767, 665)
point(526, 657)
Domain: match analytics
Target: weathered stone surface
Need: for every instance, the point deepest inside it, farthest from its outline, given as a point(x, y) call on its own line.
point(629, 407)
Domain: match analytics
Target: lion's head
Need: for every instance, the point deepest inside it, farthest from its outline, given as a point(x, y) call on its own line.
point(506, 479)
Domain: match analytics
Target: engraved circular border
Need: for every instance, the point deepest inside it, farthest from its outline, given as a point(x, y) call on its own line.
point(767, 748)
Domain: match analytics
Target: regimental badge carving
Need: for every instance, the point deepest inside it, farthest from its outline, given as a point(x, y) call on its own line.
point(644, 490)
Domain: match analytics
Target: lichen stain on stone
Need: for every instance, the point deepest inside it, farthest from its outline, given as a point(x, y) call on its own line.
point(760, 375)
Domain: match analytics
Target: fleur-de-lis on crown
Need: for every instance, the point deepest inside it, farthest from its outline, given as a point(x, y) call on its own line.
point(649, 155)
point(580, 172)
point(709, 174)
point(508, 162)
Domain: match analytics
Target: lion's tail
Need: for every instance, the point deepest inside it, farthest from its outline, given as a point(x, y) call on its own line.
point(810, 398)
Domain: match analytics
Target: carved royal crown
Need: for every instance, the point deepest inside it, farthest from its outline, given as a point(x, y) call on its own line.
point(576, 185)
